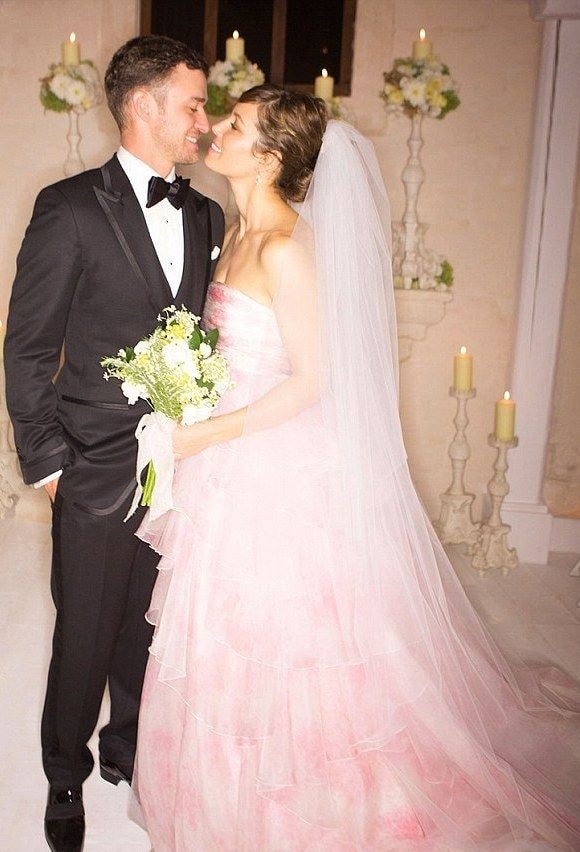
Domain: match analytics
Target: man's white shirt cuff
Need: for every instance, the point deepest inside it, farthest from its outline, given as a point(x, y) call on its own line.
point(46, 479)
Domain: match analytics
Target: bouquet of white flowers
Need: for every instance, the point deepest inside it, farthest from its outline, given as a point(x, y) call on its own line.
point(68, 88)
point(177, 370)
point(420, 85)
point(227, 80)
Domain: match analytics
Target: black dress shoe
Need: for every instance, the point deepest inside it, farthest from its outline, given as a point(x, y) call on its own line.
point(113, 773)
point(64, 821)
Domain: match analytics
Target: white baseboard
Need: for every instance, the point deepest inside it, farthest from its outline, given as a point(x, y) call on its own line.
point(565, 536)
point(535, 532)
point(531, 530)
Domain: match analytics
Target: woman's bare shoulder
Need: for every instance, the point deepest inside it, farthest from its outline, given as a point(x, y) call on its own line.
point(285, 257)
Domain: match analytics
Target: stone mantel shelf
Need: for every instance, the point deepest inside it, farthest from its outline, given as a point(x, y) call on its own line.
point(416, 311)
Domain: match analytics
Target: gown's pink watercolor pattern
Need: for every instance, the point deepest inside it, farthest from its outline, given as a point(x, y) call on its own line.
point(270, 721)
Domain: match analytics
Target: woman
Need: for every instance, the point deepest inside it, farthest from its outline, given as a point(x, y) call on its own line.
point(318, 680)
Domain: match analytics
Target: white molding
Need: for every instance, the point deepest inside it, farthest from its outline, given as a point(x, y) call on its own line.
point(416, 311)
point(565, 536)
point(544, 272)
point(531, 530)
point(540, 10)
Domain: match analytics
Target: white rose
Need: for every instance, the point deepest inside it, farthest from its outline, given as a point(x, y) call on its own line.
point(142, 347)
point(237, 88)
point(195, 414)
point(133, 392)
point(205, 350)
point(176, 353)
point(414, 91)
point(59, 86)
point(190, 367)
point(218, 74)
point(76, 93)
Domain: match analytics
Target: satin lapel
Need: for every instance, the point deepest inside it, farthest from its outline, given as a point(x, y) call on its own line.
point(196, 261)
point(120, 206)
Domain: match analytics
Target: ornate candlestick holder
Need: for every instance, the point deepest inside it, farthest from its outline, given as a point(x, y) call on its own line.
point(73, 165)
point(455, 524)
point(491, 550)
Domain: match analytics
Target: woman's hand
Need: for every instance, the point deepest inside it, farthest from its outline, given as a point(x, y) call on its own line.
point(191, 440)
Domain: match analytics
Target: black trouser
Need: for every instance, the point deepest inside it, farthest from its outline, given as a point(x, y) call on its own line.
point(102, 579)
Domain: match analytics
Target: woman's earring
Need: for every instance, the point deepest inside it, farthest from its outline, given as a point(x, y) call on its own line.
point(258, 179)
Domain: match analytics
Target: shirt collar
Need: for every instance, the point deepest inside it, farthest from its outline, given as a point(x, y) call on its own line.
point(139, 173)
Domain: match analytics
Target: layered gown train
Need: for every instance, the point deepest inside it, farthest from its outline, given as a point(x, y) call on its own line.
point(292, 706)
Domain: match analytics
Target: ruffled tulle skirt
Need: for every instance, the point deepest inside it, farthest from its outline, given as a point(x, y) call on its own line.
point(292, 704)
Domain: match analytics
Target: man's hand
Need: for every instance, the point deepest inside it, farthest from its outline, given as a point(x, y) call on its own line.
point(50, 489)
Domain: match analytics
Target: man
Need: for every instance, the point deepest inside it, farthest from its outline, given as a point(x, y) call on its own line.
point(104, 253)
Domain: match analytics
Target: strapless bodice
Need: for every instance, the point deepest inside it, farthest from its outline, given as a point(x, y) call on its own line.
point(249, 336)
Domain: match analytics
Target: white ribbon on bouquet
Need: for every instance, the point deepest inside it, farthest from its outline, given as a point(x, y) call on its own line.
point(153, 435)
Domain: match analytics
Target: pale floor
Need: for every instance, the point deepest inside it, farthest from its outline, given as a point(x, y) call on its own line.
point(533, 610)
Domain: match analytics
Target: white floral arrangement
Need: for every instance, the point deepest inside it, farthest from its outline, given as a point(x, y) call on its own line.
point(178, 370)
point(420, 86)
point(228, 80)
point(337, 108)
point(68, 88)
point(434, 272)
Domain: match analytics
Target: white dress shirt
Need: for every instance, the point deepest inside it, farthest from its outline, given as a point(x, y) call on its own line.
point(165, 225)
point(164, 222)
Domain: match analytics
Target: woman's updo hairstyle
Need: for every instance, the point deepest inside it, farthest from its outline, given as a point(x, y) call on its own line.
point(290, 125)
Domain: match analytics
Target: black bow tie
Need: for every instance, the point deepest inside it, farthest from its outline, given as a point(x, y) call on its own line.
point(175, 192)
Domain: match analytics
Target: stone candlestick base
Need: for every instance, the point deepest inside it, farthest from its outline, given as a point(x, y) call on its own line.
point(491, 549)
point(455, 524)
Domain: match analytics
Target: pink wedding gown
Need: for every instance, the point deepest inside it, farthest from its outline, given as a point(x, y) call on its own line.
point(268, 724)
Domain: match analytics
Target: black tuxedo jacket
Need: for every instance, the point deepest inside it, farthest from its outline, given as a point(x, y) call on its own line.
point(88, 278)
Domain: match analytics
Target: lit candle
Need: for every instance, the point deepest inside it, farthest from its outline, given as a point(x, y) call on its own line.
point(324, 86)
point(71, 51)
point(422, 47)
point(462, 370)
point(235, 47)
point(505, 418)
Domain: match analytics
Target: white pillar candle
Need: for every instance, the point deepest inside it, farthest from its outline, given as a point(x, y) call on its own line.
point(422, 47)
point(505, 418)
point(462, 370)
point(235, 47)
point(324, 86)
point(71, 51)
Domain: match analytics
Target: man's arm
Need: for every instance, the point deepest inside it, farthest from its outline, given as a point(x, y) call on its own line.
point(48, 268)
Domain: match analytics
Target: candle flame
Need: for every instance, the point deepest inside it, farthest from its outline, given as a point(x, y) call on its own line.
point(236, 34)
point(463, 350)
point(422, 34)
point(72, 38)
point(507, 395)
point(324, 72)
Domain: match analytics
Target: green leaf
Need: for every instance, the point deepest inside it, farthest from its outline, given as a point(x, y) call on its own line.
point(218, 100)
point(50, 101)
point(453, 102)
point(212, 337)
point(195, 339)
point(446, 275)
point(130, 353)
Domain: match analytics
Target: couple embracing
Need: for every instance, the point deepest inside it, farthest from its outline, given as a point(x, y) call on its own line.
point(305, 669)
